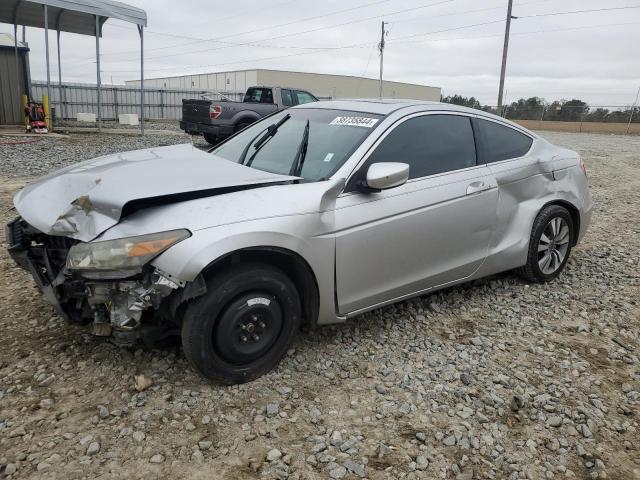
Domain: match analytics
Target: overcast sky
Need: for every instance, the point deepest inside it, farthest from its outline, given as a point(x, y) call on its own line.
point(593, 56)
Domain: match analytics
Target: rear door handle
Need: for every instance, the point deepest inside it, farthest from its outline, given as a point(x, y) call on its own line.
point(477, 187)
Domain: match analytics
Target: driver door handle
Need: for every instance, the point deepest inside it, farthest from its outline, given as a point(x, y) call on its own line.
point(477, 187)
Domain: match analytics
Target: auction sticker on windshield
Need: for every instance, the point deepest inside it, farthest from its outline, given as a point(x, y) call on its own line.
point(355, 121)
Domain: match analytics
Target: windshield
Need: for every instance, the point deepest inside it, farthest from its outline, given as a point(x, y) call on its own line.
point(331, 136)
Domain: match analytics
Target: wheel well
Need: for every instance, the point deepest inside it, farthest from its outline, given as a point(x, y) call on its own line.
point(247, 120)
point(292, 264)
point(575, 216)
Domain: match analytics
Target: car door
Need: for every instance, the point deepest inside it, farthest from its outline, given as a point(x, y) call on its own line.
point(431, 231)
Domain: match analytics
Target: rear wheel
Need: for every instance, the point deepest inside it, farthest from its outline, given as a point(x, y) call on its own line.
point(550, 244)
point(243, 325)
point(212, 139)
point(242, 125)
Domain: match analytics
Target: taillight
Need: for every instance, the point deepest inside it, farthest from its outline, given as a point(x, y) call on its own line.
point(582, 166)
point(215, 111)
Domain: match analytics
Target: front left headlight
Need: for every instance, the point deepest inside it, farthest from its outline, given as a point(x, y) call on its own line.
point(123, 253)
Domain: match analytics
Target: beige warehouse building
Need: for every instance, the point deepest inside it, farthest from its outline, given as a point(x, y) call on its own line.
point(320, 84)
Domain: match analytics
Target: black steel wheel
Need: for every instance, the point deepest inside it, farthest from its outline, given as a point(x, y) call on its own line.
point(248, 327)
point(243, 325)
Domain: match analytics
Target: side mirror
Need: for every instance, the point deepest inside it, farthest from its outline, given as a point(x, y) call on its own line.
point(383, 175)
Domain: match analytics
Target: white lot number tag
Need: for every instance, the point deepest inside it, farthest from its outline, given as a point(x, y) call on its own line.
point(258, 300)
point(355, 121)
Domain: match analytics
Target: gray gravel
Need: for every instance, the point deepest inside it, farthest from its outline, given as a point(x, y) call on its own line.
point(46, 154)
point(495, 379)
point(171, 125)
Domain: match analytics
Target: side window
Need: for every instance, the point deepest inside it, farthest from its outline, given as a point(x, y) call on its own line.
point(305, 97)
point(259, 95)
point(287, 98)
point(499, 142)
point(267, 96)
point(430, 144)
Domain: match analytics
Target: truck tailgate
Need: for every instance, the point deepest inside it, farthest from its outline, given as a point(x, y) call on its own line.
point(196, 111)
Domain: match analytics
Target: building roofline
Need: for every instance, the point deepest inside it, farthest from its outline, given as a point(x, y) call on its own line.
point(285, 71)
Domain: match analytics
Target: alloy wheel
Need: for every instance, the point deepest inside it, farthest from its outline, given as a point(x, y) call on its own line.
point(553, 245)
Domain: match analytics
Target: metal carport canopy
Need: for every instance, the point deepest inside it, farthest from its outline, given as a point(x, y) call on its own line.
point(84, 17)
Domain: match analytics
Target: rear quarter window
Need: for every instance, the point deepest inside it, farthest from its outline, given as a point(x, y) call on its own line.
point(259, 95)
point(499, 142)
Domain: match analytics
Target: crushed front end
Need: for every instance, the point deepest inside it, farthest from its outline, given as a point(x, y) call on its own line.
point(110, 284)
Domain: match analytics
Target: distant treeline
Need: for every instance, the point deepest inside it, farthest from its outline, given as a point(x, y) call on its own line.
point(535, 108)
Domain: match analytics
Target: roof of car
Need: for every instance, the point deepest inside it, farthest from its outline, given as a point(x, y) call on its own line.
point(381, 107)
point(387, 106)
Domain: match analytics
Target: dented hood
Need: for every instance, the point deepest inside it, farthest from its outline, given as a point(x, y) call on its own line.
point(85, 199)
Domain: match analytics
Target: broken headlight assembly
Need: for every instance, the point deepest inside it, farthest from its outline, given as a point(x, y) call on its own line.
point(123, 254)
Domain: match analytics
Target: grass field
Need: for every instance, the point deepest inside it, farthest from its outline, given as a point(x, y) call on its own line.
point(586, 127)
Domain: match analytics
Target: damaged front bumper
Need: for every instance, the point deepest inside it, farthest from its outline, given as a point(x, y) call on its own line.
point(118, 304)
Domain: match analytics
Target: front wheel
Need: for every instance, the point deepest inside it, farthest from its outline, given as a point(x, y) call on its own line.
point(243, 325)
point(550, 244)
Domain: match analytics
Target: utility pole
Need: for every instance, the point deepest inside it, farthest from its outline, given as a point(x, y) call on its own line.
point(504, 55)
point(381, 48)
point(633, 109)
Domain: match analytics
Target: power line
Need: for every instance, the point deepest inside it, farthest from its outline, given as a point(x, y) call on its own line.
point(553, 14)
point(290, 34)
point(505, 48)
point(358, 45)
point(462, 27)
point(260, 44)
point(293, 47)
point(315, 17)
point(252, 10)
point(230, 44)
point(465, 12)
point(532, 32)
point(397, 40)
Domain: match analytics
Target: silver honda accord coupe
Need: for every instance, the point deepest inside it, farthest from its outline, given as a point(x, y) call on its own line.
point(310, 216)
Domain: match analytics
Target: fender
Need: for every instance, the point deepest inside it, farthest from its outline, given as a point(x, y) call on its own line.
point(186, 260)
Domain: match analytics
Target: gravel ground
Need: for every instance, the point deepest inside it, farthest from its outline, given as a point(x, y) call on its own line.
point(495, 379)
point(46, 154)
point(172, 125)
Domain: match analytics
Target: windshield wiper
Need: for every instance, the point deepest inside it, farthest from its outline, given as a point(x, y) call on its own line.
point(298, 161)
point(271, 131)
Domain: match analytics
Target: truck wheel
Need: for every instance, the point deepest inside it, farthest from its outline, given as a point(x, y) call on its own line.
point(244, 324)
point(242, 125)
point(212, 139)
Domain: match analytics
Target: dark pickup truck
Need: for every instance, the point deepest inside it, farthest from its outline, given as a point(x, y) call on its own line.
point(219, 119)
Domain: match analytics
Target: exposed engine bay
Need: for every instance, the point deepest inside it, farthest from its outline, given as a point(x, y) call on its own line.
point(140, 307)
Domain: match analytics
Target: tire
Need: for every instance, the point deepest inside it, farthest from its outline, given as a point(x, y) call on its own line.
point(550, 244)
point(241, 126)
point(212, 139)
point(244, 324)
